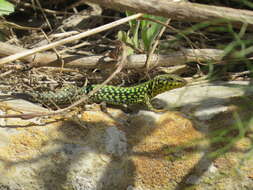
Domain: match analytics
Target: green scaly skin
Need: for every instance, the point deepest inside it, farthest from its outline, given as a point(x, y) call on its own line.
point(139, 94)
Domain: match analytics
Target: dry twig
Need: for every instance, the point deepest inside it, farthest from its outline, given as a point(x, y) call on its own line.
point(68, 40)
point(155, 44)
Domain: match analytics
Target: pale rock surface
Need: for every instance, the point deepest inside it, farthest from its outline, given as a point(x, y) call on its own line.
point(173, 150)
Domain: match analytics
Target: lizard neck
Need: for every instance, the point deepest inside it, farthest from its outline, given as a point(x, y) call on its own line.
point(156, 88)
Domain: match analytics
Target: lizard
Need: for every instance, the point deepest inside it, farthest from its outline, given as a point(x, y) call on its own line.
point(138, 94)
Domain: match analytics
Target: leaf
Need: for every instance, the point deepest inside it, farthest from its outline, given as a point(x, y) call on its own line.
point(124, 37)
point(6, 8)
point(134, 28)
point(149, 30)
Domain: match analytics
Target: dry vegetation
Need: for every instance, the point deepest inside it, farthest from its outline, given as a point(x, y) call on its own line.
point(47, 44)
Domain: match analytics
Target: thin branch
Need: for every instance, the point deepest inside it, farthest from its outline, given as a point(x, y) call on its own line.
point(69, 39)
point(155, 44)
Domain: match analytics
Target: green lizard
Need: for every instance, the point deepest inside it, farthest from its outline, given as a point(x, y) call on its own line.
point(138, 94)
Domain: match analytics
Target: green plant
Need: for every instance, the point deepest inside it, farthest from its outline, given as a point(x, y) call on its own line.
point(6, 8)
point(142, 33)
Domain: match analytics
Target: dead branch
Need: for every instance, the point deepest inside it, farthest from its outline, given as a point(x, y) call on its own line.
point(181, 11)
point(177, 58)
point(133, 61)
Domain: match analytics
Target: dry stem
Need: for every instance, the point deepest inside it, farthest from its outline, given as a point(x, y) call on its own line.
point(68, 40)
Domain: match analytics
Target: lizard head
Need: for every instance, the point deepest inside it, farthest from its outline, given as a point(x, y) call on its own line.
point(162, 83)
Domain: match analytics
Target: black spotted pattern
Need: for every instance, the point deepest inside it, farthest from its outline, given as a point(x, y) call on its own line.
point(113, 94)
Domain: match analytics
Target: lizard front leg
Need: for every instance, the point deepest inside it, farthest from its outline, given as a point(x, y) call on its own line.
point(147, 102)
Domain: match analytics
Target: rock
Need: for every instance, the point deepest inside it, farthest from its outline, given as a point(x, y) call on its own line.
point(206, 93)
point(115, 141)
point(200, 146)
